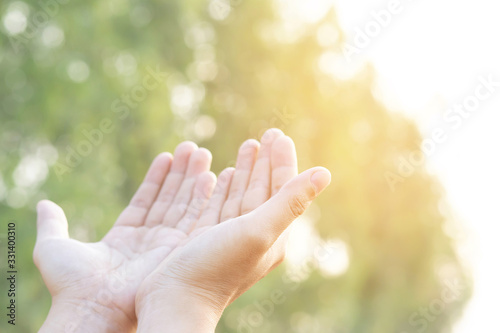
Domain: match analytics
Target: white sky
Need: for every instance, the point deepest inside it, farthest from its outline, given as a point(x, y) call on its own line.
point(429, 57)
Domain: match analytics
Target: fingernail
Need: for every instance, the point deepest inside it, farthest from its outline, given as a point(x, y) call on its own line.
point(320, 179)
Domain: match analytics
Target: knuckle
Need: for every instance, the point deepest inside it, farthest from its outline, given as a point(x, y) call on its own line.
point(297, 205)
point(181, 207)
point(258, 183)
point(195, 208)
point(236, 192)
point(166, 196)
point(139, 202)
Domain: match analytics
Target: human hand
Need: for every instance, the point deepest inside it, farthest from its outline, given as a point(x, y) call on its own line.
point(93, 285)
point(238, 238)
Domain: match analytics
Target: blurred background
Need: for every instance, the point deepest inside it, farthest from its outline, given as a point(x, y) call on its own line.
point(405, 238)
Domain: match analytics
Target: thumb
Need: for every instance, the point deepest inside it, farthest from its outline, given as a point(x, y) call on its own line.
point(51, 221)
point(276, 214)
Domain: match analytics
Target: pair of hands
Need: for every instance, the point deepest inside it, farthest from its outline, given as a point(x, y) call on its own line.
point(186, 246)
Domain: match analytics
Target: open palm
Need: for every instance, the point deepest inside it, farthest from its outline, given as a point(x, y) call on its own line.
point(173, 205)
point(241, 235)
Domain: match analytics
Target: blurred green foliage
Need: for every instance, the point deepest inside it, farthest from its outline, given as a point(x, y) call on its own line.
point(234, 70)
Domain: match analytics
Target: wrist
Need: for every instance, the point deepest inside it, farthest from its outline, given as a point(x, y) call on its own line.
point(82, 315)
point(174, 310)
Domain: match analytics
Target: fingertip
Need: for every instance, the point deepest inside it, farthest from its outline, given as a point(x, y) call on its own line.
point(228, 170)
point(271, 134)
point(226, 175)
point(284, 140)
point(207, 176)
point(284, 148)
point(41, 204)
point(51, 221)
point(40, 207)
point(163, 157)
point(249, 144)
point(199, 161)
point(161, 163)
point(44, 208)
point(204, 153)
point(247, 154)
point(159, 167)
point(48, 210)
point(186, 146)
point(320, 179)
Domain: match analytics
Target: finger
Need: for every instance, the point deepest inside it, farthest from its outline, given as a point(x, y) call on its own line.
point(171, 184)
point(211, 214)
point(51, 222)
point(267, 222)
point(142, 201)
point(241, 176)
point(203, 189)
point(199, 162)
point(283, 163)
point(259, 186)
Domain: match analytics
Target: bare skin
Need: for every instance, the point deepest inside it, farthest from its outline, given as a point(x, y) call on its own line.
point(182, 234)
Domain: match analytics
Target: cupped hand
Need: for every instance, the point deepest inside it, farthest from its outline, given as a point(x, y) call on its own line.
point(101, 279)
point(240, 236)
